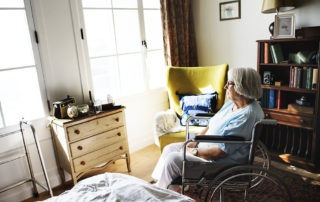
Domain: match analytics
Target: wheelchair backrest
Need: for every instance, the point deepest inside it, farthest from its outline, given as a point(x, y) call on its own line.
point(256, 134)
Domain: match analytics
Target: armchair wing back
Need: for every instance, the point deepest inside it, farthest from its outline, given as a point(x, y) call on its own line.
point(193, 80)
point(196, 80)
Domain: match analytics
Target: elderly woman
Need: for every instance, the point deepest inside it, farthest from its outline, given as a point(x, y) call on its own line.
point(236, 117)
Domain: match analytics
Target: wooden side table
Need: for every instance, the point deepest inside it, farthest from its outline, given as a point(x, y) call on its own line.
point(84, 143)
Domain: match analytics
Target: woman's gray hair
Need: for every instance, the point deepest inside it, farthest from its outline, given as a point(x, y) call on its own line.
point(247, 82)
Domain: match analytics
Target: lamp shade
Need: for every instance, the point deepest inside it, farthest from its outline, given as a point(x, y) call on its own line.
point(274, 6)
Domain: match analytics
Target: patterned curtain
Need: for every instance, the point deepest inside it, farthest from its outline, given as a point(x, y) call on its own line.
point(178, 33)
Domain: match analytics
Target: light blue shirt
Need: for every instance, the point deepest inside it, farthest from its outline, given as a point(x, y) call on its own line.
point(238, 123)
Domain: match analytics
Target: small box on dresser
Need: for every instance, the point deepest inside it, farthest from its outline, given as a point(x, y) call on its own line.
point(84, 143)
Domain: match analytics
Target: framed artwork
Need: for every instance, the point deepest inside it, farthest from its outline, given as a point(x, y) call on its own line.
point(284, 26)
point(230, 10)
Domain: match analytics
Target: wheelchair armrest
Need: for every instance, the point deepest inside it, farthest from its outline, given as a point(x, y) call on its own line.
point(217, 137)
point(205, 114)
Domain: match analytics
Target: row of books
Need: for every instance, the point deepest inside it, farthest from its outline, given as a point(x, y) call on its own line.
point(303, 77)
point(269, 98)
point(275, 52)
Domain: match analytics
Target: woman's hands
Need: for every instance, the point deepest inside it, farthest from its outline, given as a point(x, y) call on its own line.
point(192, 151)
point(192, 145)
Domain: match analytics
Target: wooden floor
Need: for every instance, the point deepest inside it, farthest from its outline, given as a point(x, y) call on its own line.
point(142, 164)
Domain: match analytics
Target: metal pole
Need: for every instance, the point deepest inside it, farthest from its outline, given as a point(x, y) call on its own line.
point(35, 191)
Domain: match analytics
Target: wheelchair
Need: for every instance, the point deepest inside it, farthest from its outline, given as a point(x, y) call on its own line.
point(233, 182)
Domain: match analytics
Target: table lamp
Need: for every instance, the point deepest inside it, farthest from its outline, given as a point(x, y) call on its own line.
point(276, 6)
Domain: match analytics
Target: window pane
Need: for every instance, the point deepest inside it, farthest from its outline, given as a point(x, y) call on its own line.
point(151, 4)
point(124, 3)
point(96, 3)
point(15, 44)
point(100, 33)
point(131, 74)
point(11, 4)
point(153, 29)
point(127, 31)
point(157, 69)
point(20, 95)
point(104, 76)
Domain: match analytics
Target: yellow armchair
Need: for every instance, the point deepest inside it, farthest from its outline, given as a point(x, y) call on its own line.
point(193, 80)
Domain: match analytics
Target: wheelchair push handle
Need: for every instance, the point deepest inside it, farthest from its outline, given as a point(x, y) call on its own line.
point(267, 122)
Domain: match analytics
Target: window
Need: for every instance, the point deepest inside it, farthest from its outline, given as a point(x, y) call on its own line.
point(124, 39)
point(20, 94)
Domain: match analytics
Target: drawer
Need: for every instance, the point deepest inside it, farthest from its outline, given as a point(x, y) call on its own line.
point(100, 156)
point(291, 120)
point(95, 126)
point(97, 142)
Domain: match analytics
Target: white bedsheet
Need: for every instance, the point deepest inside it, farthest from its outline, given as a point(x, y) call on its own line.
point(117, 187)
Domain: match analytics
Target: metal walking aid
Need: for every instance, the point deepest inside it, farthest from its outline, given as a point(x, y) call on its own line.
point(26, 154)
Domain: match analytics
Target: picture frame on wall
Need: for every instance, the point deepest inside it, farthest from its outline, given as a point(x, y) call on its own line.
point(230, 10)
point(284, 26)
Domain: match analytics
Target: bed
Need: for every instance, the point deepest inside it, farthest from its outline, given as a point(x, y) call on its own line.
point(117, 187)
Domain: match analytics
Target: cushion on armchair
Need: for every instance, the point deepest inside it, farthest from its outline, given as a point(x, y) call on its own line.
point(194, 104)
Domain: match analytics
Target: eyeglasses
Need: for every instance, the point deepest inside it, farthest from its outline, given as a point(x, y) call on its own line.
point(229, 83)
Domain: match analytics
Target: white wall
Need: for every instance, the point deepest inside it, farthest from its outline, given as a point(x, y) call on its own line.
point(61, 70)
point(234, 41)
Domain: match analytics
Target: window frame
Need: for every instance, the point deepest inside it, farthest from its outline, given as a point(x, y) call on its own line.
point(77, 11)
point(37, 65)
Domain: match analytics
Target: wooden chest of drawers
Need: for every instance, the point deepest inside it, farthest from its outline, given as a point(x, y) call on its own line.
point(85, 143)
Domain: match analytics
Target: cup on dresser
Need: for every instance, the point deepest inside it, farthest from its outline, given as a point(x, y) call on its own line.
point(98, 105)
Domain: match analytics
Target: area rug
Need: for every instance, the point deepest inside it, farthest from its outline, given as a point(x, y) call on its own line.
point(301, 189)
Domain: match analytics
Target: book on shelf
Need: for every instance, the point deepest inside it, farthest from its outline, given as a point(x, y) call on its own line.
point(314, 79)
point(295, 76)
point(264, 98)
point(309, 78)
point(266, 53)
point(304, 77)
point(299, 77)
point(262, 53)
point(291, 77)
point(276, 53)
point(271, 98)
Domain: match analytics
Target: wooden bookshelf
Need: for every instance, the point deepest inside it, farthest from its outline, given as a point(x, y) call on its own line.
point(288, 65)
point(295, 140)
point(287, 88)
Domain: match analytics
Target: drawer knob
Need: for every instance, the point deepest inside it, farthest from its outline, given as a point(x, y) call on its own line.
point(119, 134)
point(83, 163)
point(267, 115)
point(80, 147)
point(77, 131)
point(121, 147)
point(117, 119)
point(302, 121)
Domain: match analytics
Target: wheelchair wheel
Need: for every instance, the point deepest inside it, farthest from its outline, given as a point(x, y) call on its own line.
point(261, 156)
point(261, 159)
point(234, 184)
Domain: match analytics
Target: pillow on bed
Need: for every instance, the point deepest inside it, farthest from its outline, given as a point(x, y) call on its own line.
point(194, 104)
